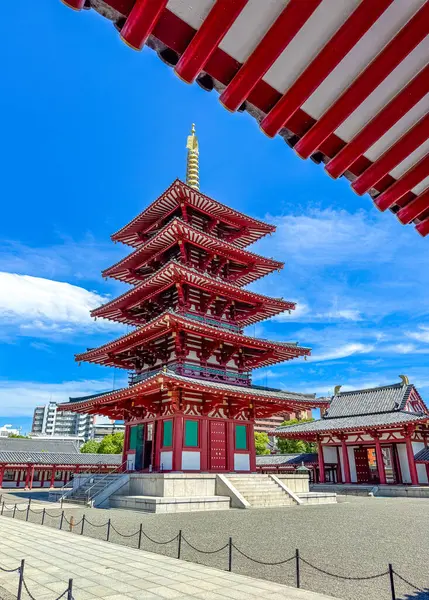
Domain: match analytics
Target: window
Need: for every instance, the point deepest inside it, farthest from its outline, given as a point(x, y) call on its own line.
point(191, 433)
point(167, 433)
point(240, 437)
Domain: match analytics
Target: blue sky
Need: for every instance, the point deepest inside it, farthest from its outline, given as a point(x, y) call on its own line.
point(91, 133)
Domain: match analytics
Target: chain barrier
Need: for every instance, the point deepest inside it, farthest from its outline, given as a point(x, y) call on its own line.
point(124, 535)
point(159, 543)
point(261, 562)
point(203, 551)
point(94, 525)
point(426, 593)
point(9, 570)
point(33, 598)
point(343, 576)
point(74, 524)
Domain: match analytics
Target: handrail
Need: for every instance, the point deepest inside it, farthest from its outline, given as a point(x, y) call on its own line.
point(67, 485)
point(119, 467)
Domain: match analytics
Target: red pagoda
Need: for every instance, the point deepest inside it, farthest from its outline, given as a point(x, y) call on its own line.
point(190, 404)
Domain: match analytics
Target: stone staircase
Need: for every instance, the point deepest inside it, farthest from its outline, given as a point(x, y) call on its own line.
point(92, 486)
point(260, 490)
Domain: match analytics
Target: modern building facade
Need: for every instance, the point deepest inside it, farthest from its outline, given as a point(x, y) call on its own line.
point(190, 405)
point(48, 421)
point(376, 436)
point(269, 423)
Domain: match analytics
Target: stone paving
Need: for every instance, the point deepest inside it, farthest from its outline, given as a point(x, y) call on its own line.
point(105, 570)
point(358, 537)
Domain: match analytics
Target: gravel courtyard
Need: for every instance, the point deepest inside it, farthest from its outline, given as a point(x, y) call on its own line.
point(357, 537)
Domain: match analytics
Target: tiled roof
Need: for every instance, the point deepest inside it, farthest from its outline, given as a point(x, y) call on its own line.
point(82, 398)
point(373, 400)
point(59, 458)
point(422, 456)
point(353, 422)
point(38, 445)
point(286, 459)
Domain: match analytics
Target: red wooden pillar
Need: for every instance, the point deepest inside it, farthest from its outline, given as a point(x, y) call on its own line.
point(125, 448)
point(411, 461)
point(204, 434)
point(1, 475)
point(380, 461)
point(346, 464)
point(177, 442)
point(52, 483)
point(31, 477)
point(27, 477)
point(230, 445)
point(321, 462)
point(251, 447)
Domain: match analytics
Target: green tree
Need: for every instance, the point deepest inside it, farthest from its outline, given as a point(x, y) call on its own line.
point(286, 446)
point(90, 447)
point(112, 444)
point(261, 441)
point(17, 435)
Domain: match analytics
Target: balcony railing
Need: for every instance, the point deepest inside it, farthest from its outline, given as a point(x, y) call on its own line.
point(198, 372)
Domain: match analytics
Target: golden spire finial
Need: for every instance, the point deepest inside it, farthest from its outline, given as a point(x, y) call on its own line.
point(192, 167)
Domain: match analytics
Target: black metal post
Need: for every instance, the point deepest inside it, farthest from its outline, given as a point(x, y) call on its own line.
point(43, 515)
point(83, 525)
point(108, 531)
point(2, 507)
point(21, 579)
point(14, 511)
point(392, 582)
point(230, 555)
point(179, 544)
point(61, 520)
point(28, 510)
point(298, 575)
point(140, 535)
point(70, 590)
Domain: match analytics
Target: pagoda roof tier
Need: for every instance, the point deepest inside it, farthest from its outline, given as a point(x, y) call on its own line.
point(244, 230)
point(176, 232)
point(260, 307)
point(265, 352)
point(266, 401)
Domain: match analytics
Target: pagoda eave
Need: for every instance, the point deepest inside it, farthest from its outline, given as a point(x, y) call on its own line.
point(179, 193)
point(141, 394)
point(175, 274)
point(177, 232)
point(171, 323)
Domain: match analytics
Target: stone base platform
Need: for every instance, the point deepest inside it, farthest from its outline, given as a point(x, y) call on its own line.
point(155, 504)
point(386, 491)
point(318, 497)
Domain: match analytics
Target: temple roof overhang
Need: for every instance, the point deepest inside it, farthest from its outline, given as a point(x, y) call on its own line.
point(174, 272)
point(56, 459)
point(264, 399)
point(358, 424)
point(270, 352)
point(247, 229)
point(177, 231)
point(346, 85)
point(287, 460)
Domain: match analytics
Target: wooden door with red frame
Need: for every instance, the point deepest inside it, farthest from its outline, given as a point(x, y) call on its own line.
point(362, 467)
point(217, 445)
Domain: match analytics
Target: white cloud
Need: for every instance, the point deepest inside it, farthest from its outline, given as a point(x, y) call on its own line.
point(37, 305)
point(422, 335)
point(344, 351)
point(19, 398)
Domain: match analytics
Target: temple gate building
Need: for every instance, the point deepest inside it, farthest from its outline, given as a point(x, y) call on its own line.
point(375, 436)
point(190, 404)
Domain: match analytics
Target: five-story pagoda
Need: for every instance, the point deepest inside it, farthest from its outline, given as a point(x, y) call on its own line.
point(190, 404)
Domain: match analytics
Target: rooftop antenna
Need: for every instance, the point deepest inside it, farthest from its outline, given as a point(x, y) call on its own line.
point(192, 166)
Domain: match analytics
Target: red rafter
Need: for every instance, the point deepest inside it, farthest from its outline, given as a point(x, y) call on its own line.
point(386, 61)
point(325, 62)
point(414, 209)
point(381, 123)
point(141, 21)
point(403, 185)
point(212, 31)
point(394, 155)
point(74, 4)
point(278, 37)
point(423, 227)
